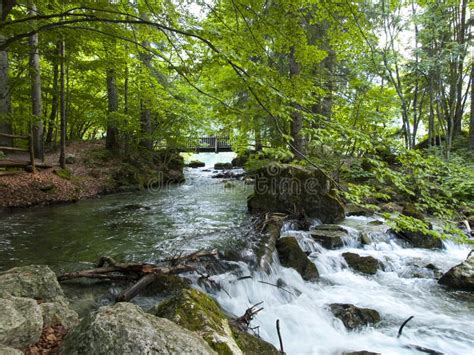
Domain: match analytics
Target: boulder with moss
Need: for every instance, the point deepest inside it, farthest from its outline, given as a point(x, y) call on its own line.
point(198, 312)
point(291, 255)
point(196, 164)
point(223, 166)
point(285, 187)
point(126, 329)
point(250, 344)
point(419, 239)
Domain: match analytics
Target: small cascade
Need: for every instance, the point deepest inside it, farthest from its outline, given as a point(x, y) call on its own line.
point(406, 286)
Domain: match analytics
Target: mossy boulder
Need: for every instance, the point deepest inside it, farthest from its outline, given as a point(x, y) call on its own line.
point(196, 164)
point(291, 255)
point(306, 191)
point(330, 236)
point(166, 285)
point(354, 317)
point(364, 264)
point(126, 329)
point(461, 276)
point(223, 166)
point(196, 311)
point(419, 239)
point(250, 344)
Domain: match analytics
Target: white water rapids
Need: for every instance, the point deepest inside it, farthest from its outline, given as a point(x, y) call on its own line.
point(443, 320)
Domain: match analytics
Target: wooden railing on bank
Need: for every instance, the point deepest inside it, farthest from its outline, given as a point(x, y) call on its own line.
point(8, 163)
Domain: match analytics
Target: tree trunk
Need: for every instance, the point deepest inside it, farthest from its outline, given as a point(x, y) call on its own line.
point(111, 141)
point(297, 146)
point(62, 104)
point(457, 124)
point(36, 101)
point(145, 140)
point(54, 98)
point(5, 124)
point(471, 119)
point(258, 134)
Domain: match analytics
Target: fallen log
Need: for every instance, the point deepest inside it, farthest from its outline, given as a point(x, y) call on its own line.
point(142, 274)
point(129, 293)
point(271, 227)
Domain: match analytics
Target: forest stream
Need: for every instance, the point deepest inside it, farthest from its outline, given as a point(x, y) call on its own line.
point(206, 213)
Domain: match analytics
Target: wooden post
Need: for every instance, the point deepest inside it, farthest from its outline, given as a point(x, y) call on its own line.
point(32, 151)
point(215, 145)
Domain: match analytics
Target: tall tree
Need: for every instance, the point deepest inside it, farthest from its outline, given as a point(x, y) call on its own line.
point(62, 104)
point(54, 95)
point(5, 124)
point(36, 101)
point(112, 139)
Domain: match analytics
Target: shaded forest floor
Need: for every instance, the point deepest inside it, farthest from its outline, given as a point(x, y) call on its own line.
point(90, 173)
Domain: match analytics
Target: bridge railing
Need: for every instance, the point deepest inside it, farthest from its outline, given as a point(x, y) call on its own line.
point(209, 144)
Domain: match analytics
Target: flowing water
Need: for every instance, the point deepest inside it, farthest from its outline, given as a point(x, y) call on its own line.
point(204, 212)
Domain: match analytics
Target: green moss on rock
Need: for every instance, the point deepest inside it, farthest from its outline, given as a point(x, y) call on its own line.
point(196, 311)
point(250, 344)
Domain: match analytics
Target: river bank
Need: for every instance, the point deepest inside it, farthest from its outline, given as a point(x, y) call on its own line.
point(91, 171)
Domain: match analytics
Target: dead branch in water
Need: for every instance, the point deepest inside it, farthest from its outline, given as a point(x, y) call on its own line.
point(243, 322)
point(279, 336)
point(469, 255)
point(144, 274)
point(403, 326)
point(424, 350)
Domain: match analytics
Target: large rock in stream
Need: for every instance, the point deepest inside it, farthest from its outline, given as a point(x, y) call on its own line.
point(291, 255)
point(354, 317)
point(364, 264)
point(461, 276)
point(21, 322)
point(330, 236)
point(284, 187)
point(420, 239)
point(34, 281)
point(30, 299)
point(126, 329)
point(196, 311)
